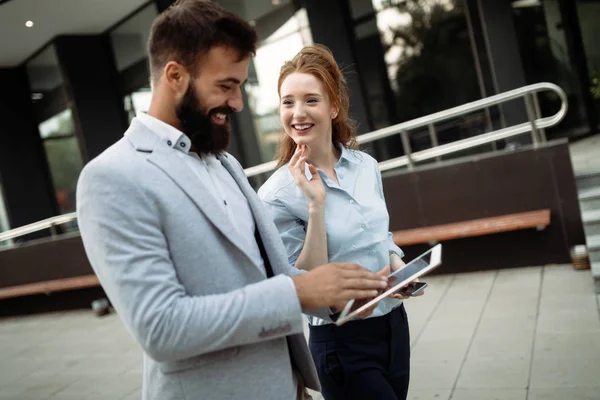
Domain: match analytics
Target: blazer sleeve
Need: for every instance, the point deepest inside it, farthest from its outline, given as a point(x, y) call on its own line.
point(122, 234)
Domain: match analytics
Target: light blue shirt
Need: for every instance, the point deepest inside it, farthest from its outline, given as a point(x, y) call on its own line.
point(356, 217)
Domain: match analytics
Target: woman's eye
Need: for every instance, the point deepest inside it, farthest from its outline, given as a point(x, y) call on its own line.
point(286, 103)
point(225, 87)
point(312, 100)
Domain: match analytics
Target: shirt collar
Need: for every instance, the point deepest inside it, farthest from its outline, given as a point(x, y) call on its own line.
point(346, 154)
point(172, 136)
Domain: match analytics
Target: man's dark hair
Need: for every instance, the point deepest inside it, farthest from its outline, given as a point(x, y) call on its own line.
point(187, 30)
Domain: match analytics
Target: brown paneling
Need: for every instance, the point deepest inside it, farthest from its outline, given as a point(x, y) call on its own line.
point(43, 260)
point(493, 185)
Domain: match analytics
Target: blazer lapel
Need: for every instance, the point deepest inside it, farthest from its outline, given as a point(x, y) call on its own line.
point(171, 164)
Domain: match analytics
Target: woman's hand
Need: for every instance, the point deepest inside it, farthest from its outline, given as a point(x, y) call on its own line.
point(314, 190)
point(396, 263)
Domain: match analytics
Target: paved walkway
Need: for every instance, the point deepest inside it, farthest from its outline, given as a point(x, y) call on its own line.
point(518, 334)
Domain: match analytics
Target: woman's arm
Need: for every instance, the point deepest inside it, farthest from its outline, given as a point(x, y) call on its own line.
point(314, 249)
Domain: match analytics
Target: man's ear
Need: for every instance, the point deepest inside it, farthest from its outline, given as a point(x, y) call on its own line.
point(176, 77)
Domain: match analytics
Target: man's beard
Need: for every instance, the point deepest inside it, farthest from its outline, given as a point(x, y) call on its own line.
point(206, 137)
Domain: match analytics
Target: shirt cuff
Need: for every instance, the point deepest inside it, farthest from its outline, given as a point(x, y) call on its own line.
point(395, 249)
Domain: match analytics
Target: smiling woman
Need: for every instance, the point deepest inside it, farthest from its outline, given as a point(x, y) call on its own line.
point(326, 198)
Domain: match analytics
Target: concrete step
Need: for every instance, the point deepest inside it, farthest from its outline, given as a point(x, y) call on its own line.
point(591, 222)
point(589, 199)
point(588, 179)
point(593, 246)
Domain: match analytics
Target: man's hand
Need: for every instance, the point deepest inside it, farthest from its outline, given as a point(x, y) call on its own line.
point(369, 311)
point(333, 285)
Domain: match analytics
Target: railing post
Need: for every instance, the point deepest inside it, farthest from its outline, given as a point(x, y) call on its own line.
point(407, 148)
point(538, 114)
point(53, 232)
point(434, 139)
point(532, 117)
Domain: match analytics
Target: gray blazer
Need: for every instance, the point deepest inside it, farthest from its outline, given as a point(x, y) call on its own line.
point(211, 325)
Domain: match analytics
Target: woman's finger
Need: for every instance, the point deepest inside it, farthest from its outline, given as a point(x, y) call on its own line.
point(313, 171)
point(294, 159)
point(300, 163)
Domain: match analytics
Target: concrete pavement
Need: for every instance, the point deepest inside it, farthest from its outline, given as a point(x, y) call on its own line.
point(516, 334)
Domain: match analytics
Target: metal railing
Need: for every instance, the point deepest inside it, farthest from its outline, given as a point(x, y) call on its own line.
point(49, 223)
point(536, 125)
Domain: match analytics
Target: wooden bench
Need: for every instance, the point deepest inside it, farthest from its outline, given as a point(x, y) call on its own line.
point(46, 287)
point(484, 226)
point(538, 219)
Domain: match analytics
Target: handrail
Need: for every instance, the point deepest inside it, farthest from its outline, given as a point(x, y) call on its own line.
point(536, 126)
point(48, 223)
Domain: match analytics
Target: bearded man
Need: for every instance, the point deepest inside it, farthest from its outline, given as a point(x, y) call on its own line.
point(182, 245)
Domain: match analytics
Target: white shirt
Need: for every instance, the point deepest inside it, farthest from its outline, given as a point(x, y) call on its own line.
point(216, 178)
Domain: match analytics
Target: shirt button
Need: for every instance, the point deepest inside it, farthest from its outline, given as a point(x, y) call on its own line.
point(169, 142)
point(363, 226)
point(182, 144)
point(351, 201)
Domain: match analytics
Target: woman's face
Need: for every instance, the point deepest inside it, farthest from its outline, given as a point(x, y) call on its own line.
point(306, 110)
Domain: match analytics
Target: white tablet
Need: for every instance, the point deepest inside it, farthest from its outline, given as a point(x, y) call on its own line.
point(414, 269)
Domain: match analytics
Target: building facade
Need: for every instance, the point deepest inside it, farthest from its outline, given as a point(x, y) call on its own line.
point(74, 96)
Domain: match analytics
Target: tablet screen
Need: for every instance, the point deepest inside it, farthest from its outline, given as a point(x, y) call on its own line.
point(414, 269)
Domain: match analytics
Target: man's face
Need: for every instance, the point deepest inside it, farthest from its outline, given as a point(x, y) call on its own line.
point(212, 95)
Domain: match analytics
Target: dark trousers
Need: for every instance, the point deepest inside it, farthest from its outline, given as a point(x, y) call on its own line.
point(364, 359)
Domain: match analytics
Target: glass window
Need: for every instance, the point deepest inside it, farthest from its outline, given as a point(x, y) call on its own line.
point(64, 158)
point(138, 101)
point(129, 47)
point(45, 79)
point(545, 54)
point(129, 39)
point(420, 61)
point(56, 128)
point(589, 15)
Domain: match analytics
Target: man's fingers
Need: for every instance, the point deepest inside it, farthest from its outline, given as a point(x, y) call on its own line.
point(363, 284)
point(349, 266)
point(385, 271)
point(359, 294)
